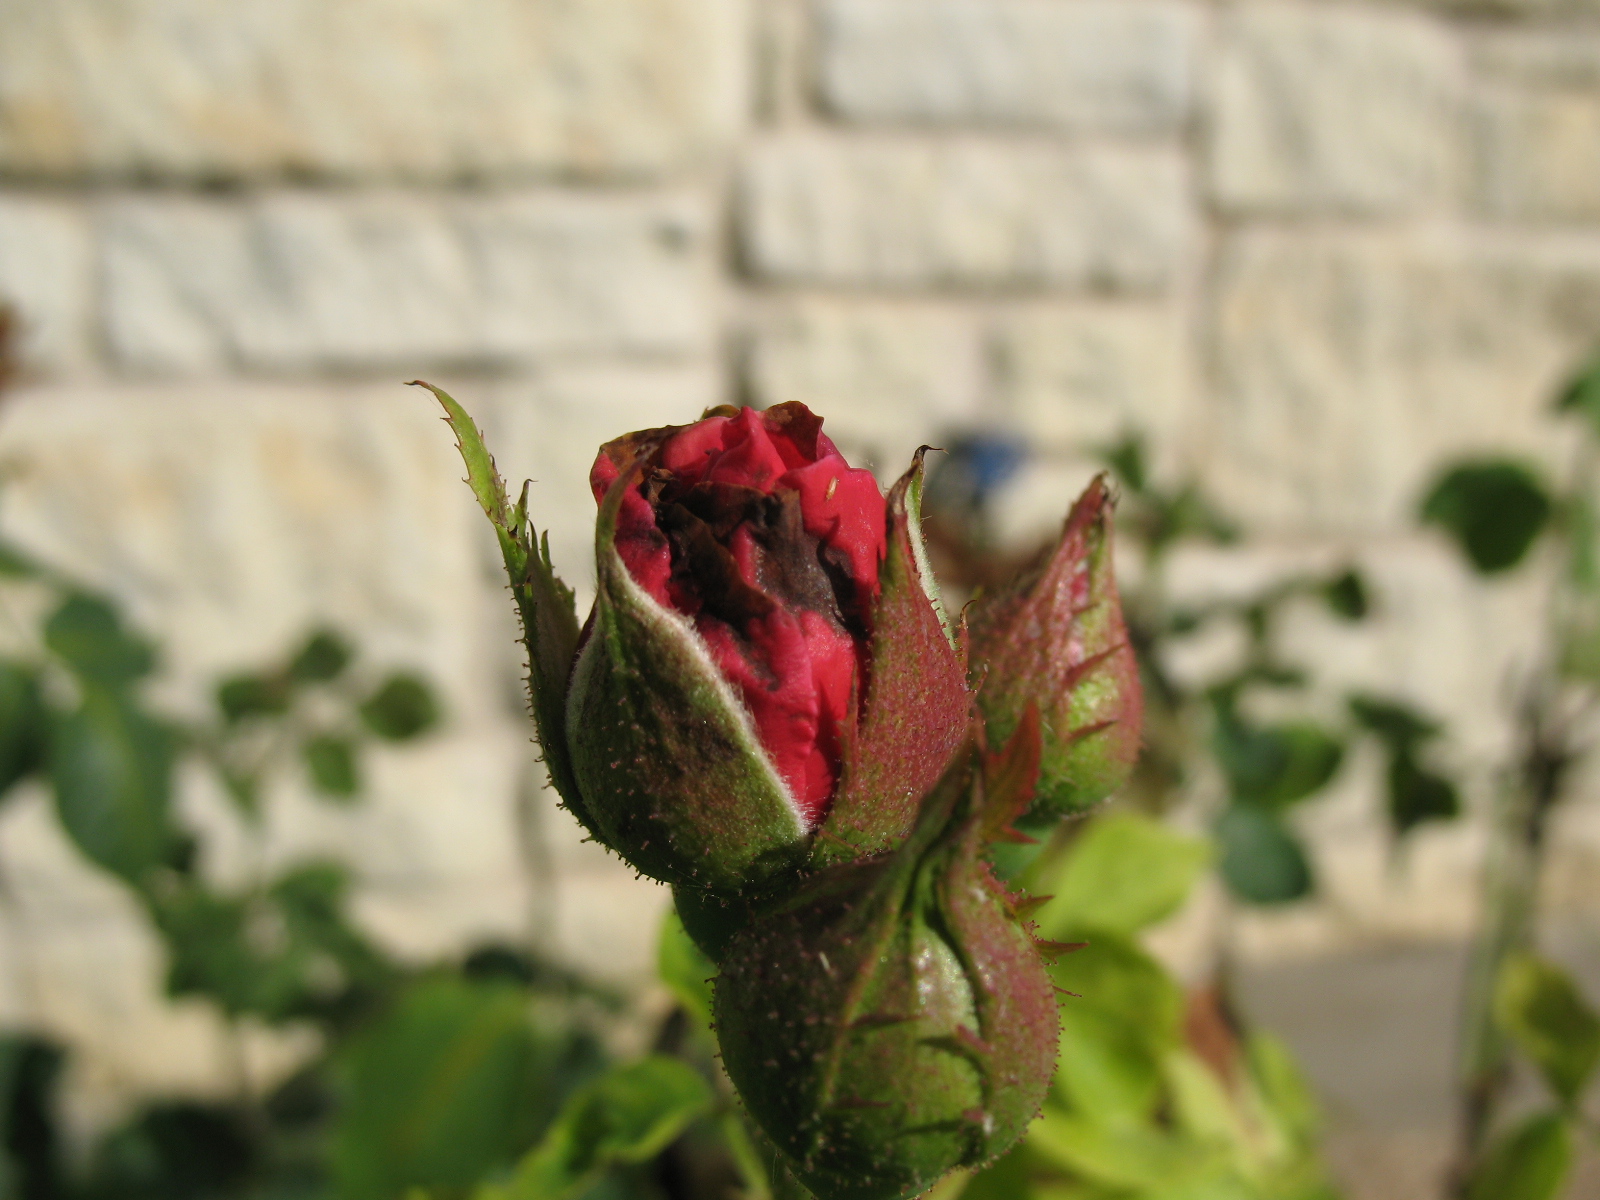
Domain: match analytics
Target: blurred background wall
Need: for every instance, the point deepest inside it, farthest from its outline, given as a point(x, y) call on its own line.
point(1310, 247)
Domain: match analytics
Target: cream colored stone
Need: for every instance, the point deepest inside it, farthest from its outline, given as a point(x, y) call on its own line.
point(886, 377)
point(1539, 156)
point(47, 278)
point(906, 213)
point(1537, 58)
point(1077, 377)
point(299, 281)
point(1536, 127)
point(232, 517)
point(1333, 108)
point(416, 89)
point(1124, 66)
point(1350, 367)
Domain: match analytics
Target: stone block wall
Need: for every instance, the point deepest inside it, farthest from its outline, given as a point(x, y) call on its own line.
point(1310, 246)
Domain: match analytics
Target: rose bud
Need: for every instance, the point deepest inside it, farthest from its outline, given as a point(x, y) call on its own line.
point(893, 1021)
point(766, 680)
point(1055, 636)
point(754, 588)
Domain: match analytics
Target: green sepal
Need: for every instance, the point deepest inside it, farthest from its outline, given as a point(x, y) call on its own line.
point(918, 706)
point(544, 603)
point(665, 754)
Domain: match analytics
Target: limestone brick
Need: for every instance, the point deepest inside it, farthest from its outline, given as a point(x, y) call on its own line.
point(300, 281)
point(232, 517)
point(208, 89)
point(47, 279)
point(904, 213)
point(1334, 108)
point(1536, 127)
point(886, 377)
point(1077, 376)
point(1350, 366)
point(1124, 66)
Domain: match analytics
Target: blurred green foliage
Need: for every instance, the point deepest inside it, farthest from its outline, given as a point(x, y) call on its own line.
point(485, 1077)
point(1158, 1096)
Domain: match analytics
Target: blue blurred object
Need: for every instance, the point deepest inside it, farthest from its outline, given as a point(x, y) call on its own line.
point(964, 480)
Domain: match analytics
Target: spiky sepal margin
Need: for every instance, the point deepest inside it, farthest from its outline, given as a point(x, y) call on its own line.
point(545, 604)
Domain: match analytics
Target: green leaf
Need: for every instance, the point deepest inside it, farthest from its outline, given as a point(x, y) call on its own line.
point(16, 563)
point(685, 970)
point(1399, 725)
point(1346, 596)
point(1274, 766)
point(628, 1115)
point(112, 769)
point(243, 696)
point(446, 1089)
point(1529, 1163)
point(1140, 1158)
point(401, 709)
point(1127, 462)
point(1284, 1090)
point(1417, 794)
point(286, 952)
point(86, 633)
point(1537, 1003)
point(23, 731)
point(1124, 1016)
point(322, 659)
point(1582, 392)
point(332, 764)
point(1261, 861)
point(1494, 508)
point(1123, 874)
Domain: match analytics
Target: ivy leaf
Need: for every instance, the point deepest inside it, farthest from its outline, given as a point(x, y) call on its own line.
point(1417, 794)
point(1529, 1163)
point(86, 633)
point(1127, 462)
point(112, 769)
point(401, 709)
point(1346, 595)
point(240, 697)
point(1537, 1003)
point(1399, 725)
point(1261, 860)
point(24, 737)
point(1494, 508)
point(332, 764)
point(16, 563)
point(1582, 393)
point(1274, 766)
point(322, 659)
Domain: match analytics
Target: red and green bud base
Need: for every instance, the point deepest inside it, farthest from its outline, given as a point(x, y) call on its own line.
point(892, 1021)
